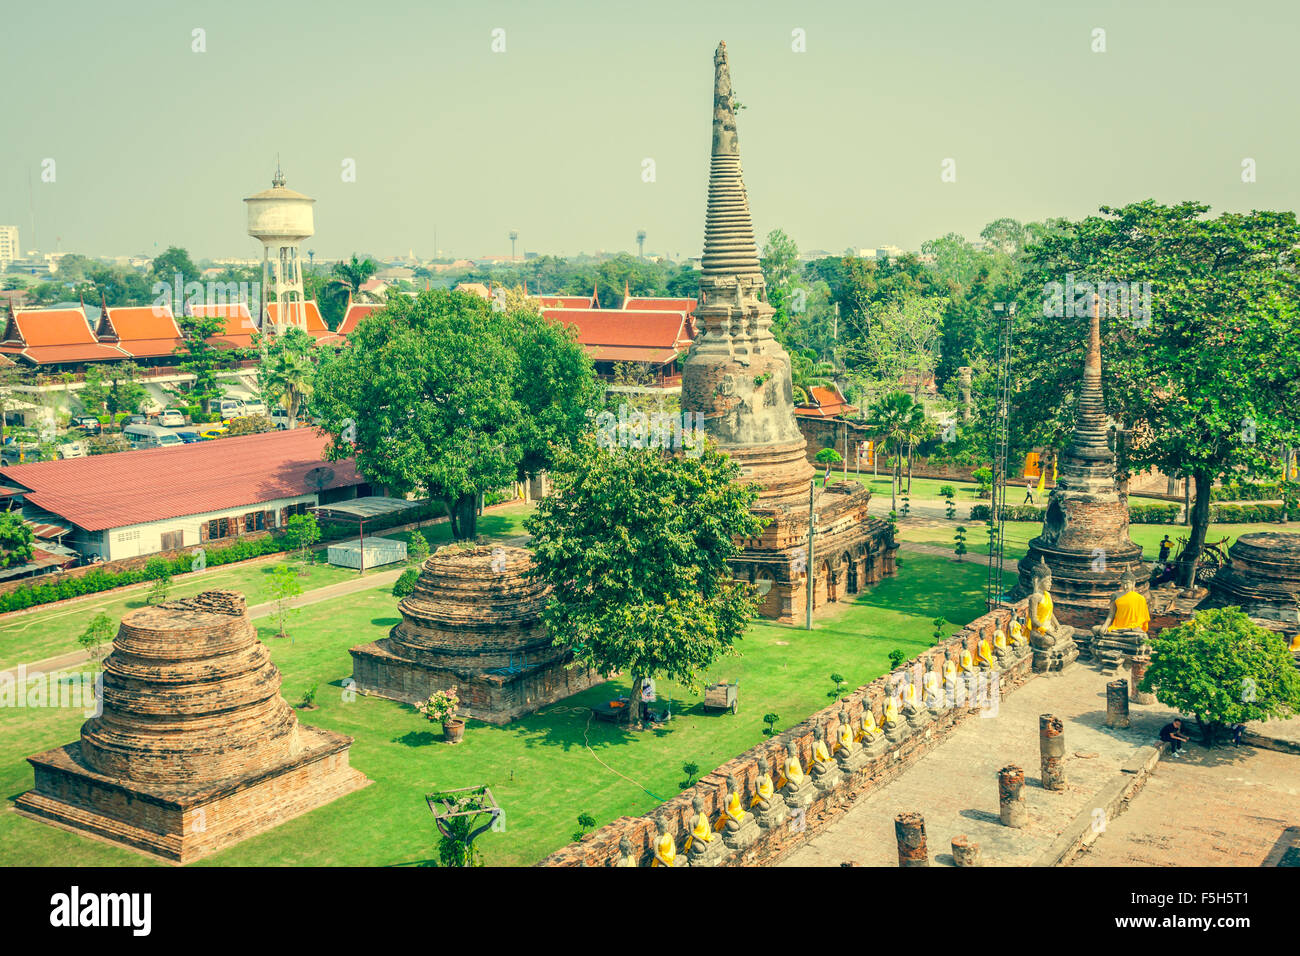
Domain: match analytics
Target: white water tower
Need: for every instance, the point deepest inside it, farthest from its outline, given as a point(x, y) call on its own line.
point(281, 219)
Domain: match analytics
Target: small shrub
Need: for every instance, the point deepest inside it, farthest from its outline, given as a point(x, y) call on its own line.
point(770, 720)
point(405, 584)
point(896, 658)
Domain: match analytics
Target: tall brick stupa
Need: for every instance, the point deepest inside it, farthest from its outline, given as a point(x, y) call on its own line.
point(194, 748)
point(1085, 537)
point(738, 376)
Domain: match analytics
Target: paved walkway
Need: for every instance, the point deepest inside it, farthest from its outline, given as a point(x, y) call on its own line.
point(955, 786)
point(362, 582)
point(1231, 806)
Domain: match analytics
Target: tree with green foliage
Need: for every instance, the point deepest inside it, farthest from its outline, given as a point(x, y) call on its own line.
point(158, 570)
point(15, 540)
point(125, 393)
point(455, 398)
point(98, 632)
point(300, 533)
point(634, 544)
point(894, 418)
point(1207, 380)
point(417, 547)
point(959, 542)
point(405, 583)
point(1223, 669)
point(167, 265)
point(286, 373)
point(203, 360)
point(283, 587)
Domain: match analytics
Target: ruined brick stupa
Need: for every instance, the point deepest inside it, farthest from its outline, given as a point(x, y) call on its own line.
point(1085, 538)
point(1262, 578)
point(194, 749)
point(473, 622)
point(738, 376)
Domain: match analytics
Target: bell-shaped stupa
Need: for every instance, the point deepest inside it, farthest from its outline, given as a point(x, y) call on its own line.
point(194, 748)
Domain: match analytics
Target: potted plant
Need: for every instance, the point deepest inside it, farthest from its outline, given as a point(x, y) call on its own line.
point(441, 707)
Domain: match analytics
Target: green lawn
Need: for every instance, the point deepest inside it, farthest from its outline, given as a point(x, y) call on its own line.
point(540, 767)
point(1019, 533)
point(26, 638)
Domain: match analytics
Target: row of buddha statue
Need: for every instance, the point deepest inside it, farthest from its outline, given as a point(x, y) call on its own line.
point(854, 744)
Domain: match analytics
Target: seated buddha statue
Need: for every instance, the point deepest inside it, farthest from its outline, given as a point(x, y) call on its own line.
point(701, 831)
point(869, 731)
point(914, 710)
point(665, 845)
point(1002, 651)
point(734, 813)
point(932, 690)
point(967, 664)
point(1052, 641)
point(625, 857)
point(892, 722)
point(821, 756)
point(1128, 611)
point(794, 774)
point(984, 655)
point(1019, 643)
point(845, 744)
point(764, 789)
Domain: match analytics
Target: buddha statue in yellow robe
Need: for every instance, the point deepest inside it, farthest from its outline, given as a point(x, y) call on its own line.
point(625, 857)
point(914, 710)
point(734, 813)
point(1002, 652)
point(665, 846)
point(932, 690)
point(890, 720)
point(764, 789)
point(869, 730)
point(821, 756)
point(967, 664)
point(701, 831)
point(844, 735)
point(1128, 609)
point(794, 774)
point(985, 660)
point(1052, 641)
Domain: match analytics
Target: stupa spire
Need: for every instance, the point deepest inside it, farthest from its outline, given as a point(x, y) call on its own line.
point(1089, 441)
point(729, 247)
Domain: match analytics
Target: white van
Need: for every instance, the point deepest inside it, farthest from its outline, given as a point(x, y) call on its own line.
point(149, 436)
point(231, 408)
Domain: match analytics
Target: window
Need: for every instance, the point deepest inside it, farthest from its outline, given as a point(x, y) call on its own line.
point(219, 528)
point(173, 540)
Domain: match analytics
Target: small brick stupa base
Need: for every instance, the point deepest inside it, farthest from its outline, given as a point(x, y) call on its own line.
point(195, 749)
point(1262, 578)
point(474, 623)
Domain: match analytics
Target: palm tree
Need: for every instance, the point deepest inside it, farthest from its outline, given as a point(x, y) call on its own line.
point(896, 418)
point(805, 372)
point(290, 374)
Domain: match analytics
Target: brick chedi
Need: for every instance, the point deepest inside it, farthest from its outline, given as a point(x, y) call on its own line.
point(738, 377)
point(1262, 578)
point(473, 622)
point(194, 748)
point(1085, 537)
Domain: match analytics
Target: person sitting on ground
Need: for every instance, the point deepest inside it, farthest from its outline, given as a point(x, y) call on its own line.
point(1237, 730)
point(1172, 734)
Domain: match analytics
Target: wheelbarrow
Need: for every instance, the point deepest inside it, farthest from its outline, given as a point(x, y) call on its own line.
point(722, 696)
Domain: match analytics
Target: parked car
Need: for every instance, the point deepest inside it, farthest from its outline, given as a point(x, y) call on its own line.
point(189, 437)
point(149, 436)
point(171, 418)
point(231, 408)
point(135, 420)
point(87, 423)
point(213, 431)
point(280, 418)
point(254, 407)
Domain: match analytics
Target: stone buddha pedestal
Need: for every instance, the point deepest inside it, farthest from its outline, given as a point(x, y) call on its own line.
point(704, 847)
point(799, 790)
point(1124, 632)
point(870, 737)
point(915, 712)
point(896, 728)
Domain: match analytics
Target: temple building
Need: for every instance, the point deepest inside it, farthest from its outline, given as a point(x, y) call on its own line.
point(195, 749)
point(649, 342)
point(239, 327)
point(474, 623)
point(1085, 538)
point(738, 376)
point(356, 311)
point(58, 339)
point(147, 333)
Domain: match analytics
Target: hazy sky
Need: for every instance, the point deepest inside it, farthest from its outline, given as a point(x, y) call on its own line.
point(156, 145)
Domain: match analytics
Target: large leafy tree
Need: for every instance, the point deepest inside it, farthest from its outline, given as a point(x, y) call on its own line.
point(634, 544)
point(898, 420)
point(15, 540)
point(286, 374)
point(446, 395)
point(203, 360)
point(1206, 383)
point(125, 392)
point(1223, 669)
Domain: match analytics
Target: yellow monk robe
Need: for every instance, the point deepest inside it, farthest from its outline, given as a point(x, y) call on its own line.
point(764, 791)
point(949, 671)
point(701, 831)
point(1017, 632)
point(891, 712)
point(1130, 613)
point(1044, 612)
point(986, 653)
point(793, 772)
point(999, 641)
point(734, 810)
point(666, 848)
point(870, 730)
point(967, 663)
point(819, 755)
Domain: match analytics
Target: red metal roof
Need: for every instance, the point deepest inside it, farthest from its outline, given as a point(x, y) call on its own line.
point(131, 487)
point(625, 327)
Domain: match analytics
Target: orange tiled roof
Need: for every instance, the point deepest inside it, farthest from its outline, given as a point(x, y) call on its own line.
point(238, 333)
point(54, 336)
point(356, 312)
point(624, 327)
point(142, 331)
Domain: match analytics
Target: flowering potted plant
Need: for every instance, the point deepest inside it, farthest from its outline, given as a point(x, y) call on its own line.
point(441, 707)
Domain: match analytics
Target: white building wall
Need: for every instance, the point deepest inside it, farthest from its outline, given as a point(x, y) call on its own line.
point(9, 245)
point(130, 541)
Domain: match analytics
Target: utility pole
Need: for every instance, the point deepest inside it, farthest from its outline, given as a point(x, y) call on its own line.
point(994, 586)
point(810, 578)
